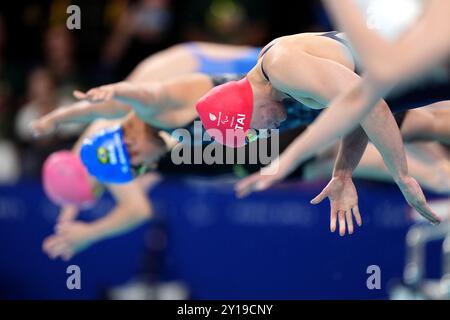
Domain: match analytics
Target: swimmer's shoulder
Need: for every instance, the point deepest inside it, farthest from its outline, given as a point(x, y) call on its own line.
point(307, 38)
point(289, 42)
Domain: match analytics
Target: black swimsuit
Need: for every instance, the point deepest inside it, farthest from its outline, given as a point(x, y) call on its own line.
point(419, 95)
point(299, 114)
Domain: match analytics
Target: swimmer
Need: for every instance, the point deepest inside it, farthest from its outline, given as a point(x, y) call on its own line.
point(165, 105)
point(389, 66)
point(70, 185)
point(132, 207)
point(311, 69)
point(427, 124)
point(195, 57)
point(211, 59)
point(143, 147)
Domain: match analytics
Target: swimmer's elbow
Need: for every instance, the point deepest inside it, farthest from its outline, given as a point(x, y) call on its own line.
point(357, 99)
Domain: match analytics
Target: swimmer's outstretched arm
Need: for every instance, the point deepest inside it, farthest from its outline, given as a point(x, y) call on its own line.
point(153, 98)
point(426, 44)
point(324, 80)
point(79, 112)
point(71, 237)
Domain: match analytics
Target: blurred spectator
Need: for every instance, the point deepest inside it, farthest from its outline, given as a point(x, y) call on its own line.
point(9, 82)
point(227, 21)
point(142, 29)
point(9, 169)
point(9, 162)
point(60, 61)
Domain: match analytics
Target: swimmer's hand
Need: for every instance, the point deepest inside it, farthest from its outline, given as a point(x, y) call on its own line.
point(70, 238)
point(118, 91)
point(259, 181)
point(99, 94)
point(42, 126)
point(414, 196)
point(144, 99)
point(344, 203)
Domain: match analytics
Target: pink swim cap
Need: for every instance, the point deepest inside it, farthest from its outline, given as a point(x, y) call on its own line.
point(66, 180)
point(226, 112)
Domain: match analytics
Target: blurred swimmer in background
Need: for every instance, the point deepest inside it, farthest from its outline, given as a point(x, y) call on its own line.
point(68, 183)
point(66, 179)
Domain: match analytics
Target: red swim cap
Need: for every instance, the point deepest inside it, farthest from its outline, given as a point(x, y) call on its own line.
point(226, 112)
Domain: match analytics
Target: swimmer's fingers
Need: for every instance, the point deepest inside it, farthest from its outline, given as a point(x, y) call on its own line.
point(414, 196)
point(41, 127)
point(80, 95)
point(68, 254)
point(322, 196)
point(357, 215)
point(341, 215)
point(49, 243)
point(95, 95)
point(255, 182)
point(247, 185)
point(425, 211)
point(54, 246)
point(333, 219)
point(349, 219)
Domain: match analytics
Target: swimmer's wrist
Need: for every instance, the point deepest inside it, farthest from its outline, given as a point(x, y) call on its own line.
point(343, 174)
point(401, 179)
point(94, 232)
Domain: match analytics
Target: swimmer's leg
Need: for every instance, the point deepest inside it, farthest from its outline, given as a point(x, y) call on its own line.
point(433, 173)
point(426, 124)
point(174, 61)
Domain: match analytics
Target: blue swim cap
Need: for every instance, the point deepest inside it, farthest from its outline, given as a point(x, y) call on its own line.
point(106, 157)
